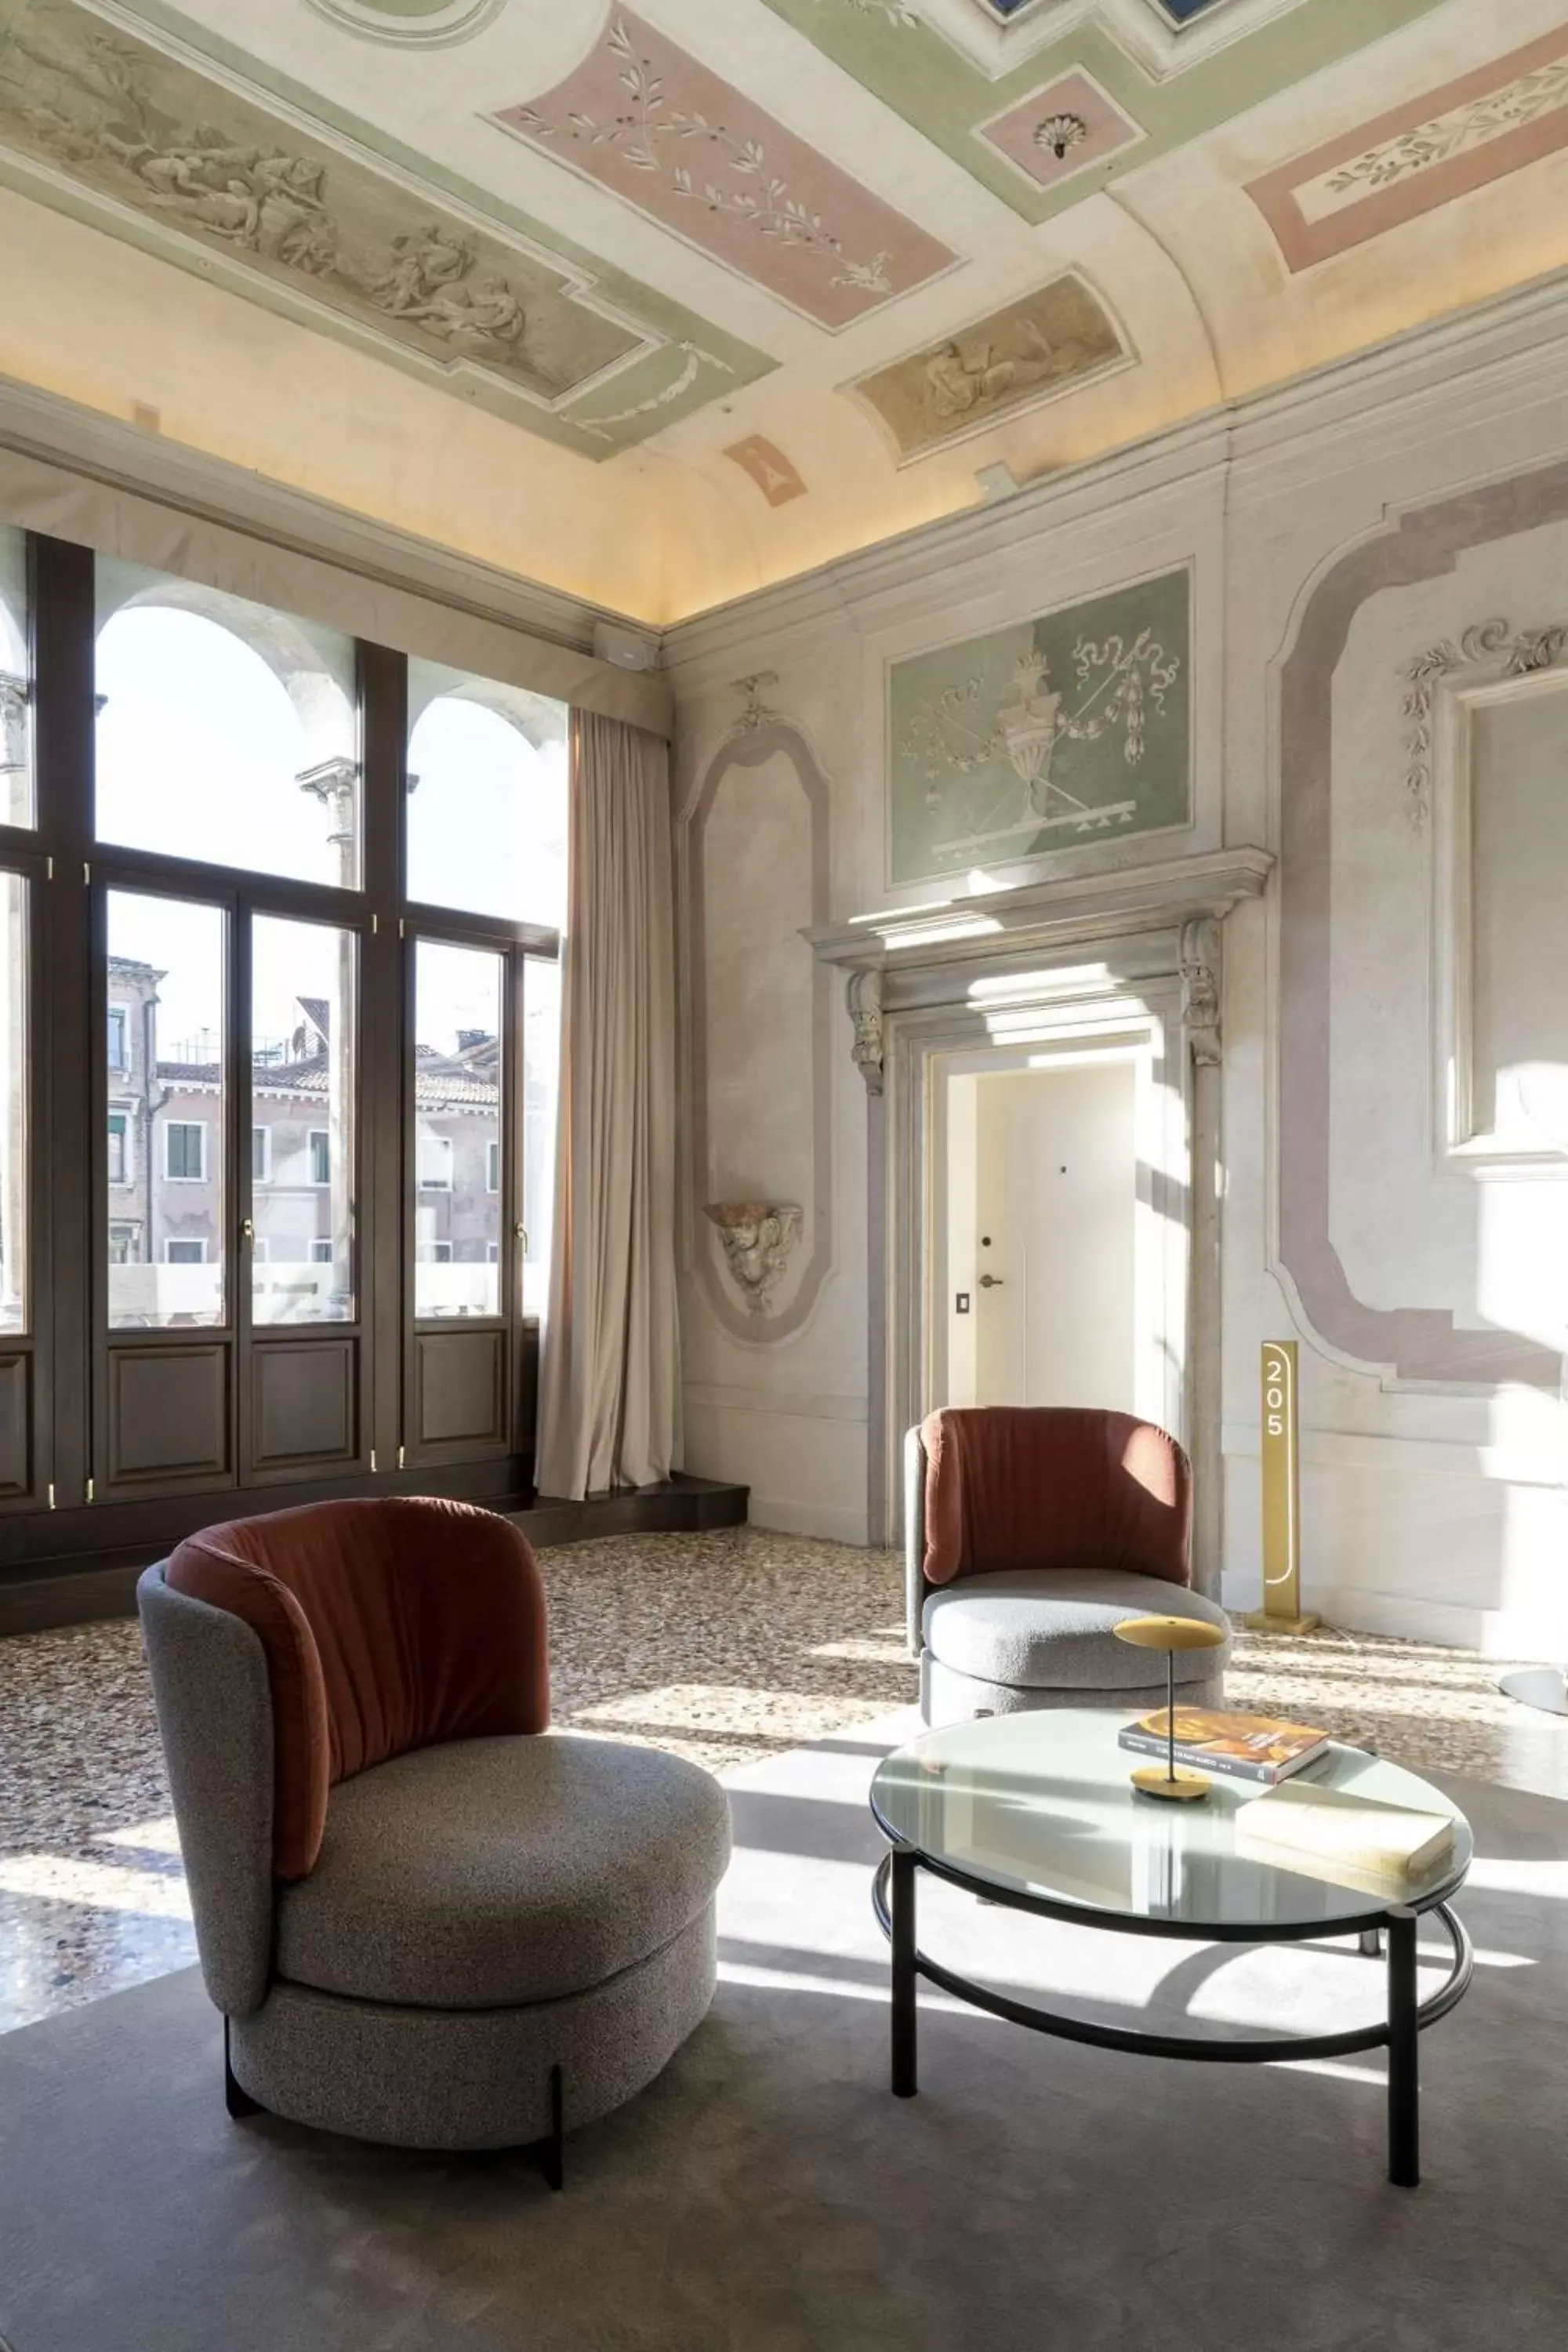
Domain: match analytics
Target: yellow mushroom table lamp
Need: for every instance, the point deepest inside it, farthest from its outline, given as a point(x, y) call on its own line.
point(1170, 1634)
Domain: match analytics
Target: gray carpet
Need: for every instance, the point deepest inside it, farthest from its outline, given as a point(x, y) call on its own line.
point(768, 2195)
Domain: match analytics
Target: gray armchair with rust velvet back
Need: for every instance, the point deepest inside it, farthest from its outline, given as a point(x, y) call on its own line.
point(425, 1919)
point(1030, 1533)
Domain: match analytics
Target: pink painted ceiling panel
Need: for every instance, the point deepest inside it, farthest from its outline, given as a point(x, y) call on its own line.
point(1060, 128)
point(693, 152)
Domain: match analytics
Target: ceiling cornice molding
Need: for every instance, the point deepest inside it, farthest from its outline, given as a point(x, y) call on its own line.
point(61, 432)
point(1454, 359)
point(877, 585)
point(1478, 357)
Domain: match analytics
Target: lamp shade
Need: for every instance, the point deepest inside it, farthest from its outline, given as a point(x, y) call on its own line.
point(1169, 1633)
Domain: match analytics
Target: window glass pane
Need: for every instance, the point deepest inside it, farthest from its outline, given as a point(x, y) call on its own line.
point(457, 1103)
point(13, 1102)
point(540, 1082)
point(487, 797)
point(225, 731)
point(16, 682)
point(166, 1094)
point(304, 997)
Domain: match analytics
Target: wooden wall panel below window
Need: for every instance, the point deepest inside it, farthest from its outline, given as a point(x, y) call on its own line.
point(16, 1424)
point(168, 1413)
point(460, 1389)
point(304, 1405)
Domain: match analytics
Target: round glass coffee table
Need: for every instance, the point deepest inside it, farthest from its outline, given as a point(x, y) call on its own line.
point(1036, 1811)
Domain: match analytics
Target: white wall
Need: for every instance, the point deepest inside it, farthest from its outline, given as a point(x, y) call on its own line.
point(1434, 1503)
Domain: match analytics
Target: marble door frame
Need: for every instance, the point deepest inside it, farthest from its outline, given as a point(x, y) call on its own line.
point(1131, 955)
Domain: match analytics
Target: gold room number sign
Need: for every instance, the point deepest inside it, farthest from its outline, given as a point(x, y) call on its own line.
point(1281, 1609)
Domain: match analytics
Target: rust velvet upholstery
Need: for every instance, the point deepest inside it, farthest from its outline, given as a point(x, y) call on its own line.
point(1045, 1486)
point(387, 1626)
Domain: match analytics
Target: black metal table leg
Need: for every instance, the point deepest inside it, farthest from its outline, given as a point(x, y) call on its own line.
point(1404, 2092)
point(903, 1949)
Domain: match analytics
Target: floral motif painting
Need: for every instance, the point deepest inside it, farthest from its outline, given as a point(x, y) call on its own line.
point(1072, 728)
point(1495, 119)
point(1051, 341)
point(646, 120)
point(127, 121)
point(1065, 127)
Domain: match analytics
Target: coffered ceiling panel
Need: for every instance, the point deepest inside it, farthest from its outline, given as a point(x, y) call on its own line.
point(1009, 117)
point(643, 117)
point(751, 284)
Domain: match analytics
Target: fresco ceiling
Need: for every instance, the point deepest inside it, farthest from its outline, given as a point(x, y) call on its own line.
point(761, 283)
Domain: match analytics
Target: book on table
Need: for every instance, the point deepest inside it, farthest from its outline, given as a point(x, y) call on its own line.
point(1247, 1747)
point(1333, 1832)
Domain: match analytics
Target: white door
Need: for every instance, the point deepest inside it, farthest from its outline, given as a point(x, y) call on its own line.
point(1047, 1262)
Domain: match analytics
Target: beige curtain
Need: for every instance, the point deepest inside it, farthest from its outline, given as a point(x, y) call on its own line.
point(612, 1353)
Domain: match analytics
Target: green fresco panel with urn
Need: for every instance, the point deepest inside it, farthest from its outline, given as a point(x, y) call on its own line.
point(1071, 729)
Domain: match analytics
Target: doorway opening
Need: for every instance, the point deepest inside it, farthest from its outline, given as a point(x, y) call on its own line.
point(1042, 1233)
point(1056, 1236)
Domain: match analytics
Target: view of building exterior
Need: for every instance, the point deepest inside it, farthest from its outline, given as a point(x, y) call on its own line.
point(165, 1176)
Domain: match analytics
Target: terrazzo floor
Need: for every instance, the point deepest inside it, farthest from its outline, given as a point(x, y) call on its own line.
point(725, 1647)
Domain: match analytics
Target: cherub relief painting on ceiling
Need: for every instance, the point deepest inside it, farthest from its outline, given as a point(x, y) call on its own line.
point(1052, 341)
point(122, 117)
point(1052, 734)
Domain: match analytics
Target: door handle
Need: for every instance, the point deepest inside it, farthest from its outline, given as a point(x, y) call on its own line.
point(991, 1282)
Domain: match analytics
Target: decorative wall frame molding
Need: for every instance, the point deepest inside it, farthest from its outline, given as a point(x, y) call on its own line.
point(757, 737)
point(1416, 1344)
point(1504, 669)
point(1486, 649)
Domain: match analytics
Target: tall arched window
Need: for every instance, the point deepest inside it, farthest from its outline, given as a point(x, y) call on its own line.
point(487, 836)
point(292, 904)
point(487, 798)
point(226, 733)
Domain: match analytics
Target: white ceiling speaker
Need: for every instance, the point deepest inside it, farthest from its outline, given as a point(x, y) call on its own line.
point(626, 648)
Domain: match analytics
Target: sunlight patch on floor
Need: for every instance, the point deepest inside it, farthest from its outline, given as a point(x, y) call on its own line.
point(106, 1886)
